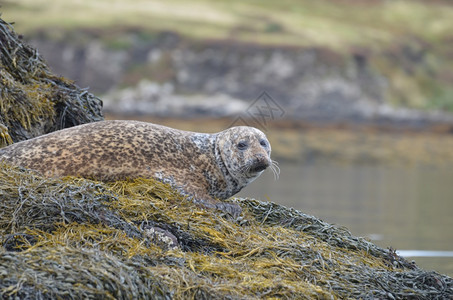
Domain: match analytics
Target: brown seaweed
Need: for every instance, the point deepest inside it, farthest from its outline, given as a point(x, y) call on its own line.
point(76, 238)
point(33, 101)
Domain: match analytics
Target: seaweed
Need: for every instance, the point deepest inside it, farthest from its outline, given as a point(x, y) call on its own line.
point(73, 237)
point(34, 101)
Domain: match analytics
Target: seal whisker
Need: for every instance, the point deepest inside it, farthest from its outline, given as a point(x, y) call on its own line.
point(245, 169)
point(274, 172)
point(275, 169)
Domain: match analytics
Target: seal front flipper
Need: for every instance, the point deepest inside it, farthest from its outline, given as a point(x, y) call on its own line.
point(230, 208)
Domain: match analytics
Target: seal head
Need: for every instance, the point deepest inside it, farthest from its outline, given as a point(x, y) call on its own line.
point(245, 153)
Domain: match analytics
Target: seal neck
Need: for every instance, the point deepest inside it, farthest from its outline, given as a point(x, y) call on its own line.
point(232, 183)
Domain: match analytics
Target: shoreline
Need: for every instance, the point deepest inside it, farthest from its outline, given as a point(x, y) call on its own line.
point(343, 143)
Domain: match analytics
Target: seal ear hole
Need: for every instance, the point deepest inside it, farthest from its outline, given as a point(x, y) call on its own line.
point(242, 145)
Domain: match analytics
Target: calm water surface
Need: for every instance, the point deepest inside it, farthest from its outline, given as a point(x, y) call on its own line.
point(407, 208)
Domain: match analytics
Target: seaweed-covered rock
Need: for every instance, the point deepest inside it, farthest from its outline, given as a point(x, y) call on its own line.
point(76, 238)
point(33, 101)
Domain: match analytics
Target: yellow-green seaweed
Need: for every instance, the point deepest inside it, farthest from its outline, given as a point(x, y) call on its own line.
point(75, 238)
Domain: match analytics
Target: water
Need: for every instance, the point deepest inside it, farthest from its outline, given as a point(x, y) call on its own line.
point(407, 208)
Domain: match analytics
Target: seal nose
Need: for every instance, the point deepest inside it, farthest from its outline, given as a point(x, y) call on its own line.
point(260, 167)
point(261, 164)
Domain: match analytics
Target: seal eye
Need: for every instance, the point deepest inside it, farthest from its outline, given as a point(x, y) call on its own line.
point(242, 145)
point(263, 143)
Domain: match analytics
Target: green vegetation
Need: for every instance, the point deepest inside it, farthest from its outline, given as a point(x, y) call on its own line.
point(334, 24)
point(407, 41)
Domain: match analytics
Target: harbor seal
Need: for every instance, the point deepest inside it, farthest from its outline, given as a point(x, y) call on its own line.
point(202, 166)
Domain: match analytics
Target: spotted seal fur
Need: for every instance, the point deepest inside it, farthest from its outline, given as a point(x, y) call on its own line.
point(202, 166)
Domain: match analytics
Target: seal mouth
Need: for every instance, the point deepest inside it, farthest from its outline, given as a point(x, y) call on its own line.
point(259, 167)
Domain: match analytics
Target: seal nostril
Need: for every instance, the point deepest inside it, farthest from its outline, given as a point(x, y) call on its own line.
point(260, 167)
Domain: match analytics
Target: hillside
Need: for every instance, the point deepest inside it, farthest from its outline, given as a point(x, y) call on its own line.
point(323, 60)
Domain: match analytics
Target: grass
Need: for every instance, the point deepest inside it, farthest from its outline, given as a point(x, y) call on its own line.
point(335, 24)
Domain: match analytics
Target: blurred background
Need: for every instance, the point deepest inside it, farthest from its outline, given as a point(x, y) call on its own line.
point(356, 96)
